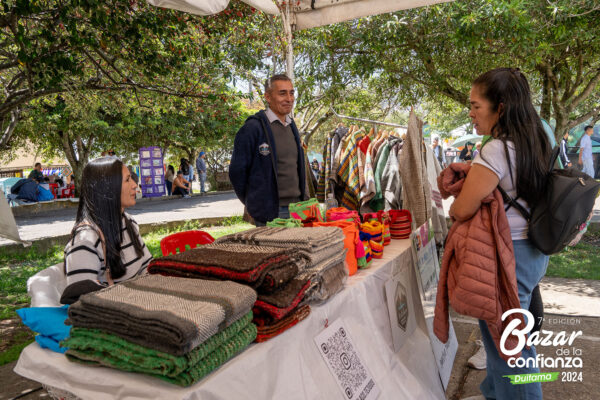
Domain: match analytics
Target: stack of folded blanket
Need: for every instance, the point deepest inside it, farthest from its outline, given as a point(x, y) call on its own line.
point(317, 244)
point(272, 271)
point(176, 329)
point(323, 246)
point(262, 267)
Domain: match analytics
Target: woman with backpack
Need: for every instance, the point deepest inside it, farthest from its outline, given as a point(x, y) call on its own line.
point(516, 159)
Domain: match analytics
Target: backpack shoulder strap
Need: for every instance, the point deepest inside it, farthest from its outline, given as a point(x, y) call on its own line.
point(507, 199)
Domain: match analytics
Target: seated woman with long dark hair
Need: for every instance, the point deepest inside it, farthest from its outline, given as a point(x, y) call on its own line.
point(105, 245)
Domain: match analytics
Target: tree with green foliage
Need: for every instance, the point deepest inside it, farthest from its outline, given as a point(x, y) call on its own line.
point(53, 47)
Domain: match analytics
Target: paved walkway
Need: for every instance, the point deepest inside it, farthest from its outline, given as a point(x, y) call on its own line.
point(60, 222)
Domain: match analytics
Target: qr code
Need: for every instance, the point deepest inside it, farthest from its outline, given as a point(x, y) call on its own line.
point(345, 363)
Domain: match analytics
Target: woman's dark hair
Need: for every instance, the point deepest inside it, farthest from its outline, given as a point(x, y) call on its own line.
point(171, 168)
point(59, 182)
point(100, 204)
point(521, 124)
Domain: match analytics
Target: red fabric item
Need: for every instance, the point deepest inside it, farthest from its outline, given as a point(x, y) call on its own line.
point(266, 332)
point(277, 312)
point(189, 270)
point(363, 144)
point(352, 243)
point(478, 268)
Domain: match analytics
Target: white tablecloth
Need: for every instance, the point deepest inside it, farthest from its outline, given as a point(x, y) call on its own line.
point(288, 366)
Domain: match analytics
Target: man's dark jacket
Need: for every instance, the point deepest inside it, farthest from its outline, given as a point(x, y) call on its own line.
point(253, 172)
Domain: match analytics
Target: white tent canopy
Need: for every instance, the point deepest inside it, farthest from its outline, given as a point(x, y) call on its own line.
point(305, 13)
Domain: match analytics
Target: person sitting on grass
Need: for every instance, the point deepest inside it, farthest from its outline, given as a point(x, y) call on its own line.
point(181, 186)
point(105, 245)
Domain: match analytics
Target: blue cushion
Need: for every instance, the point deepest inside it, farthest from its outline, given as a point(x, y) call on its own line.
point(49, 322)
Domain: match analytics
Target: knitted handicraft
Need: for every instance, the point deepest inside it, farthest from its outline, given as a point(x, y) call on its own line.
point(355, 251)
point(317, 244)
point(400, 225)
point(194, 366)
point(93, 346)
point(326, 279)
point(285, 222)
point(262, 267)
point(280, 303)
point(342, 214)
point(308, 210)
point(368, 253)
point(384, 218)
point(166, 314)
point(266, 332)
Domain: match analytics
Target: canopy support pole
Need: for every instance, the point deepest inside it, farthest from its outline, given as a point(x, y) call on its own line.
point(369, 121)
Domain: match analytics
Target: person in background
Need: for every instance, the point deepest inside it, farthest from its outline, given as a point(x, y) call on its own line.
point(315, 167)
point(169, 177)
point(201, 170)
point(438, 152)
point(45, 183)
point(516, 159)
point(181, 186)
point(564, 146)
point(585, 151)
point(186, 170)
point(477, 149)
point(36, 174)
point(466, 153)
point(105, 245)
point(267, 168)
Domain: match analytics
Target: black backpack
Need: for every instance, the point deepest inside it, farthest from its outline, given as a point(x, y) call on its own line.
point(562, 211)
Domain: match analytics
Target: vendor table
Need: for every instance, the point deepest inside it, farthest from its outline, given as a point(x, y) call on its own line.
point(288, 366)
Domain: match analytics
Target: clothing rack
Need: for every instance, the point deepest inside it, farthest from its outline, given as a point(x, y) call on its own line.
point(375, 123)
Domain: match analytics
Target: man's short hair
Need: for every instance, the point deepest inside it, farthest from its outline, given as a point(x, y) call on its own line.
point(179, 172)
point(588, 127)
point(37, 164)
point(277, 77)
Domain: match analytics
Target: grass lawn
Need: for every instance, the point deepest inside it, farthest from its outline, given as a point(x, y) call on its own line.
point(15, 270)
point(581, 261)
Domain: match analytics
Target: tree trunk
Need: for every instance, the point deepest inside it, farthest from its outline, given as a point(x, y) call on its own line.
point(546, 107)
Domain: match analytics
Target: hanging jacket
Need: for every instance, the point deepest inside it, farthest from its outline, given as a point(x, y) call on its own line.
point(478, 268)
point(253, 168)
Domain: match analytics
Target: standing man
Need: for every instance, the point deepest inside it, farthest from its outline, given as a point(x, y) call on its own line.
point(585, 151)
point(267, 166)
point(438, 152)
point(563, 151)
point(36, 174)
point(201, 168)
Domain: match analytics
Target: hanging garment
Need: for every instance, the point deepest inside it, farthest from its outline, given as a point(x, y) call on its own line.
point(391, 181)
point(438, 217)
point(322, 186)
point(416, 191)
point(369, 190)
point(348, 175)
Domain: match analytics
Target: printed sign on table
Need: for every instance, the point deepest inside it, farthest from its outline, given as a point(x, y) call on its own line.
point(344, 363)
point(427, 269)
point(400, 305)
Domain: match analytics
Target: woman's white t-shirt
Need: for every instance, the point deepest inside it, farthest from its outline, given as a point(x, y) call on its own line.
point(493, 157)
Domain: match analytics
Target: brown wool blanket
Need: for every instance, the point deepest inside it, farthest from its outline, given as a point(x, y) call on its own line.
point(266, 268)
point(280, 303)
point(316, 243)
point(266, 332)
point(327, 279)
point(163, 313)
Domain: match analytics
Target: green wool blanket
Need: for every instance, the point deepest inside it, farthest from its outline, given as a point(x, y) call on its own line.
point(95, 347)
point(173, 315)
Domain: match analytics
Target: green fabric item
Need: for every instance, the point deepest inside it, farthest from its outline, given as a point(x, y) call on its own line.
point(378, 202)
point(285, 222)
point(92, 346)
